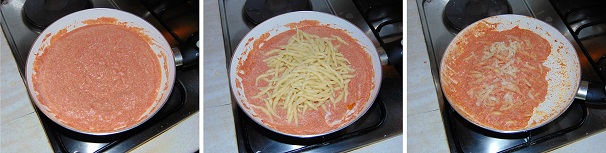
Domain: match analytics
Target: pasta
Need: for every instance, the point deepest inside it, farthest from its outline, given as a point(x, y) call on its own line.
point(305, 74)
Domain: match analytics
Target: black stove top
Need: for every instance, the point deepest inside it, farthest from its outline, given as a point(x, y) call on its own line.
point(21, 31)
point(382, 21)
point(579, 23)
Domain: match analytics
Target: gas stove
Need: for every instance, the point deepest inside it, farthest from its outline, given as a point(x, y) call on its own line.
point(22, 22)
point(579, 21)
point(380, 20)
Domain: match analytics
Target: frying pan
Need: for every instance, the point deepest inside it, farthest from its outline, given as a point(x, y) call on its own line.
point(563, 80)
point(75, 20)
point(280, 24)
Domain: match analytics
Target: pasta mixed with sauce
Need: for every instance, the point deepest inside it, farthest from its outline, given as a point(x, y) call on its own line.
point(496, 78)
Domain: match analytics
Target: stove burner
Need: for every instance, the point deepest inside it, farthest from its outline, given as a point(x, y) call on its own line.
point(258, 11)
point(41, 13)
point(461, 13)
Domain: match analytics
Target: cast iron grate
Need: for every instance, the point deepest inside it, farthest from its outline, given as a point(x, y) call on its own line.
point(384, 17)
point(583, 15)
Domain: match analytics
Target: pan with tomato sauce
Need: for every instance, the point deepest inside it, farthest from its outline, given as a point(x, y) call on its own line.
point(248, 64)
point(504, 74)
point(314, 121)
point(100, 71)
point(104, 82)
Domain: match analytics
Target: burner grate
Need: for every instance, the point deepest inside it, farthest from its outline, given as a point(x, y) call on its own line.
point(178, 17)
point(586, 21)
point(384, 18)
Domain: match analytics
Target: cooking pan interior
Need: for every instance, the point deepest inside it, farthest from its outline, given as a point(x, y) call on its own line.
point(280, 24)
point(563, 77)
point(75, 20)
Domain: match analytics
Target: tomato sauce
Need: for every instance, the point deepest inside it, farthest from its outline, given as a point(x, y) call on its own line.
point(312, 122)
point(98, 78)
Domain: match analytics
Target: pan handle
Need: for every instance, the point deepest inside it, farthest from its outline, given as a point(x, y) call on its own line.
point(593, 92)
point(187, 54)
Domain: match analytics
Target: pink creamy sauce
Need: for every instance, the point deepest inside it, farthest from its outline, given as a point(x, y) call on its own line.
point(98, 78)
point(312, 122)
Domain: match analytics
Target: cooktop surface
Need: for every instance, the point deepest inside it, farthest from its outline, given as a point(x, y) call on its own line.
point(382, 121)
point(442, 20)
point(22, 22)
